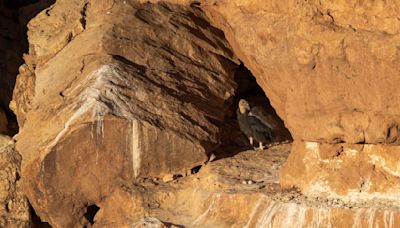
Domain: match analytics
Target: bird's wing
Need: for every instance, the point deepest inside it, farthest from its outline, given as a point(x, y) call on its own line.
point(263, 117)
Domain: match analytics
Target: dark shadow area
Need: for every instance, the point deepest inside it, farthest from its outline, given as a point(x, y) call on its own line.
point(233, 140)
point(36, 221)
point(15, 4)
point(91, 212)
point(196, 169)
point(14, 17)
point(172, 225)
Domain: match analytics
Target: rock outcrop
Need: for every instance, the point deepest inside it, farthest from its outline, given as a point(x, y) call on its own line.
point(116, 91)
point(352, 172)
point(115, 95)
point(14, 209)
point(331, 72)
point(234, 192)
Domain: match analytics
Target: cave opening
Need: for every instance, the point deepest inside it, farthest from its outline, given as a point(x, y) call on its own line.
point(233, 140)
point(91, 212)
point(14, 17)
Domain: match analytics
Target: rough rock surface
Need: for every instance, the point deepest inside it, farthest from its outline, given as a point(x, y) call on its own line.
point(331, 72)
point(14, 209)
point(145, 88)
point(352, 172)
point(143, 94)
point(233, 192)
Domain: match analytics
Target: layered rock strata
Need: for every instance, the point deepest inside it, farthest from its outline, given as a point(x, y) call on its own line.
point(117, 91)
point(234, 192)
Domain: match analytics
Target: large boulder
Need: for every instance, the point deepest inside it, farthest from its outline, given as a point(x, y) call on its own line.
point(117, 91)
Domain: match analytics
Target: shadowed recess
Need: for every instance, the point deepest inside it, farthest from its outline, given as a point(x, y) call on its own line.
point(14, 16)
point(91, 213)
point(233, 140)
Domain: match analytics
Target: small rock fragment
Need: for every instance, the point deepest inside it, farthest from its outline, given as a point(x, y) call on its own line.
point(168, 178)
point(212, 157)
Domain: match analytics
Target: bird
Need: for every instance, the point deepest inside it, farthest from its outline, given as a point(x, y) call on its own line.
point(255, 123)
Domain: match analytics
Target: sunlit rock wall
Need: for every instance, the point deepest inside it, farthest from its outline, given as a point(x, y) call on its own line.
point(116, 91)
point(331, 71)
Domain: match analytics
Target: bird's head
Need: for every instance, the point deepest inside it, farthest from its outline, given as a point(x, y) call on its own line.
point(243, 106)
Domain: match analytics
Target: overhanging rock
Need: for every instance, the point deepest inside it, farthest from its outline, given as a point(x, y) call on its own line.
point(137, 90)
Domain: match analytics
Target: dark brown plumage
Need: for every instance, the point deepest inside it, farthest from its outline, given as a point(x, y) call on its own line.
point(255, 123)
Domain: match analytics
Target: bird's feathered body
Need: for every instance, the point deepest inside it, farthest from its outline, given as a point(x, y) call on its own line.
point(255, 123)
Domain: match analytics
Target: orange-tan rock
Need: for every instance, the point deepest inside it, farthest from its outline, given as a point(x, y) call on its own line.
point(330, 74)
point(351, 172)
point(121, 91)
point(113, 93)
point(220, 199)
point(14, 209)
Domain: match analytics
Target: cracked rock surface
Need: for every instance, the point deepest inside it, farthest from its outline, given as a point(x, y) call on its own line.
point(117, 91)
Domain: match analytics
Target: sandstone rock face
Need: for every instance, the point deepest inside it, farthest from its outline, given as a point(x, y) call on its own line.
point(331, 72)
point(116, 91)
point(113, 93)
point(221, 199)
point(352, 172)
point(14, 209)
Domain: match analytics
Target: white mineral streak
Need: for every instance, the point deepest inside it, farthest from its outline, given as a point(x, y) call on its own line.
point(295, 215)
point(380, 162)
point(253, 211)
point(136, 148)
point(100, 94)
point(268, 214)
point(204, 216)
point(371, 215)
point(322, 217)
